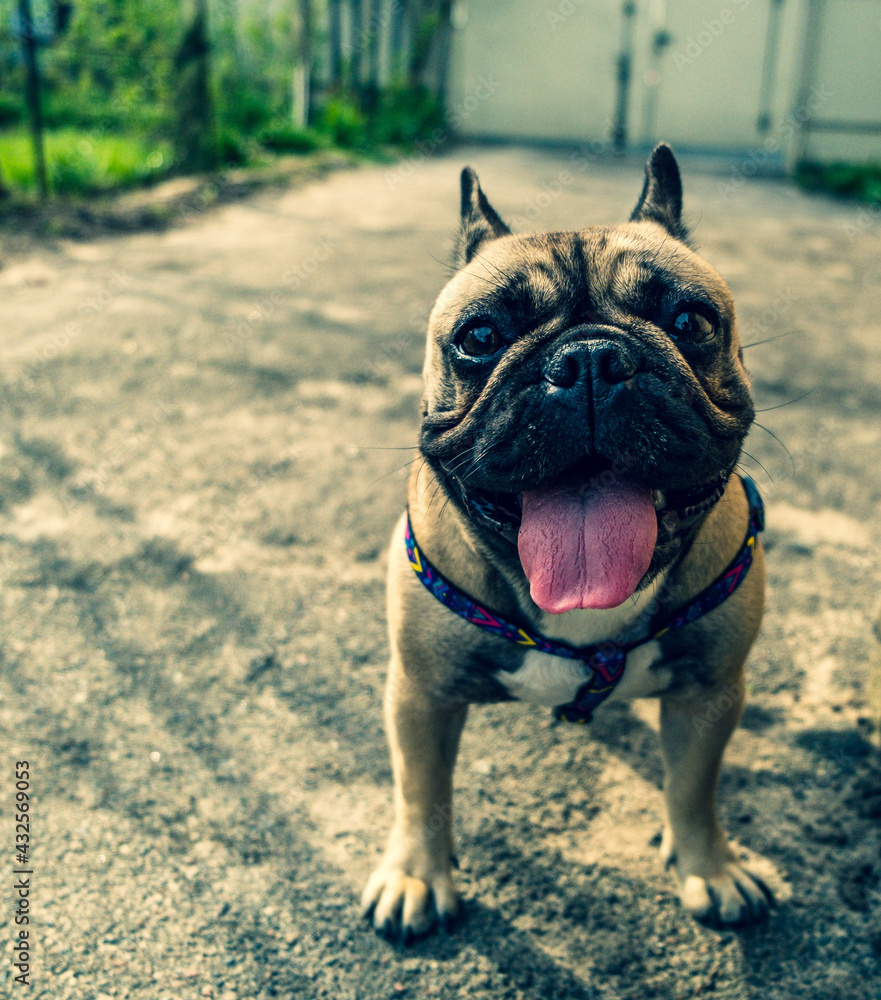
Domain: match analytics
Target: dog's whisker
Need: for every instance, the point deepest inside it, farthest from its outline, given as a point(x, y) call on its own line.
point(777, 439)
point(461, 460)
point(767, 340)
point(391, 472)
point(789, 402)
point(455, 270)
point(762, 467)
point(479, 458)
point(505, 278)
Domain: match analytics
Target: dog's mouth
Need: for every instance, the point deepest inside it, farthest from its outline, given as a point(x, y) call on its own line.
point(588, 539)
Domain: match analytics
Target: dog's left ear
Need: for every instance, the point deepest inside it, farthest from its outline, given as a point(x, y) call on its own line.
point(661, 198)
point(480, 221)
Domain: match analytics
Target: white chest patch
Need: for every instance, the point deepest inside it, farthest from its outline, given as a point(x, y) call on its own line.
point(549, 680)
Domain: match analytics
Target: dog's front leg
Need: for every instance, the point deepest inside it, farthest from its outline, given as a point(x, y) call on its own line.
point(413, 883)
point(714, 886)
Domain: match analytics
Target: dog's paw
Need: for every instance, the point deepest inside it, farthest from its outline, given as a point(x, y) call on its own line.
point(733, 896)
point(403, 906)
point(719, 891)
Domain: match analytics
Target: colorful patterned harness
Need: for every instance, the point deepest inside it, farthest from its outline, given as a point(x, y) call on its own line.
point(604, 662)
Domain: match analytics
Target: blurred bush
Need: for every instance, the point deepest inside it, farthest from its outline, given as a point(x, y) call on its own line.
point(850, 180)
point(344, 122)
point(290, 139)
point(407, 114)
point(190, 85)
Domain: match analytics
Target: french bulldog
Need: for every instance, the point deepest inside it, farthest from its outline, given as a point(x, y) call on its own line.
point(584, 409)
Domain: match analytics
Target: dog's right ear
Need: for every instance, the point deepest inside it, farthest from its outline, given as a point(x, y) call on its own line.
point(661, 198)
point(480, 221)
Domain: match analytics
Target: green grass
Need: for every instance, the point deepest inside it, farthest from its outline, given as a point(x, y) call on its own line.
point(82, 162)
point(289, 139)
point(850, 180)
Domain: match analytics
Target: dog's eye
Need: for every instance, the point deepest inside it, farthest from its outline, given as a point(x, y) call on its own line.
point(692, 325)
point(479, 341)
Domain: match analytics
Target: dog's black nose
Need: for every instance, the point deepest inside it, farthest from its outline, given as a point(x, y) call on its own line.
point(598, 360)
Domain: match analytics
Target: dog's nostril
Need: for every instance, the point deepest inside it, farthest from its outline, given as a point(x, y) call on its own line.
point(562, 370)
point(596, 360)
point(615, 365)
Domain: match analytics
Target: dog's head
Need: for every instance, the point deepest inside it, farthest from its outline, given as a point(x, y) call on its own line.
point(585, 395)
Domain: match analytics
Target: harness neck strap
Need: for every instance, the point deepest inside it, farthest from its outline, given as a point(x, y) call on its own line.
point(604, 662)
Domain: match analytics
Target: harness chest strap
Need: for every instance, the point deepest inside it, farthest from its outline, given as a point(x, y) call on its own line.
point(603, 662)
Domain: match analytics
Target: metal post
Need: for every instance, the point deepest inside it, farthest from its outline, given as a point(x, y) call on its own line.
point(444, 46)
point(769, 67)
point(625, 59)
point(335, 19)
point(29, 48)
point(661, 38)
point(376, 19)
point(302, 84)
point(801, 112)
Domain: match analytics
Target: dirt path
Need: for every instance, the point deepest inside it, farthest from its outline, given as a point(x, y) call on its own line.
point(195, 505)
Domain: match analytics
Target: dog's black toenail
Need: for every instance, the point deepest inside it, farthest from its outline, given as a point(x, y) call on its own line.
point(754, 911)
point(716, 900)
point(766, 892)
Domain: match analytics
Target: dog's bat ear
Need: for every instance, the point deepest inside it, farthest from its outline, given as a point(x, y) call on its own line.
point(661, 198)
point(480, 221)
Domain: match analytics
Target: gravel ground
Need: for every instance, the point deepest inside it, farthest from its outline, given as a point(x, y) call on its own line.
point(199, 468)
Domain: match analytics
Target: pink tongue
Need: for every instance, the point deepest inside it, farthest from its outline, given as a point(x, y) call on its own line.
point(586, 548)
